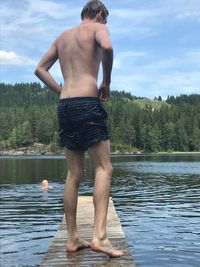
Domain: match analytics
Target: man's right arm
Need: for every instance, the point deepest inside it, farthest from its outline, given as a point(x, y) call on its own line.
point(42, 69)
point(103, 39)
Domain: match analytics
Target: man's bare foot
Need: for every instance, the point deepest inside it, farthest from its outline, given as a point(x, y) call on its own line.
point(79, 243)
point(105, 246)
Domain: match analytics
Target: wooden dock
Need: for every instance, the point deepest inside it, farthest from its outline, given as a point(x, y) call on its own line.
point(56, 255)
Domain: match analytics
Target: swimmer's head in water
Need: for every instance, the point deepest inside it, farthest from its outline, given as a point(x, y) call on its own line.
point(44, 183)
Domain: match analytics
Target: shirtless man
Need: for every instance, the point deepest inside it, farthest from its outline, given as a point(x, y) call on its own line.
point(81, 116)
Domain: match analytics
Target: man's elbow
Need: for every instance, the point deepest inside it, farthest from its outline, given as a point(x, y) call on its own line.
point(38, 71)
point(107, 52)
point(107, 47)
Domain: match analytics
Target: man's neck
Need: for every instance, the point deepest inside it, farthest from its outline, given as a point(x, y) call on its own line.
point(88, 20)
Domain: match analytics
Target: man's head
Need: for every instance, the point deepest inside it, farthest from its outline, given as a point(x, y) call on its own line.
point(93, 9)
point(45, 184)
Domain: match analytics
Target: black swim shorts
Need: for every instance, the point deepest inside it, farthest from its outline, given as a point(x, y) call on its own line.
point(81, 122)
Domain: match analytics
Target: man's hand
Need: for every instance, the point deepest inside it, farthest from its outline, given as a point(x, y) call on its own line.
point(104, 92)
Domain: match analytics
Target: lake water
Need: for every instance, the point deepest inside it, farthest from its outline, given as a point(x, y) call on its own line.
point(157, 199)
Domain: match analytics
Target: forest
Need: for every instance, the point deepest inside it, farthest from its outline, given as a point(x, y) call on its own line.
point(28, 115)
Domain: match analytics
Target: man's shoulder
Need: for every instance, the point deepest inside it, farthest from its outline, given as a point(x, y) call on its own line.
point(66, 33)
point(94, 26)
point(100, 26)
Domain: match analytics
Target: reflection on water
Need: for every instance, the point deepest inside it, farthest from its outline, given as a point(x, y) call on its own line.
point(157, 199)
point(29, 219)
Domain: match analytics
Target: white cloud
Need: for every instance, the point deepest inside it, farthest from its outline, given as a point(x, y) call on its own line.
point(133, 23)
point(55, 10)
point(193, 56)
point(175, 82)
point(149, 17)
point(40, 16)
point(122, 58)
point(189, 15)
point(11, 58)
point(137, 16)
point(32, 25)
point(150, 85)
point(164, 76)
point(144, 62)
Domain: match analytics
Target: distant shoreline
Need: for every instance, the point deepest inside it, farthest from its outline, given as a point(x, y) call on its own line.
point(39, 150)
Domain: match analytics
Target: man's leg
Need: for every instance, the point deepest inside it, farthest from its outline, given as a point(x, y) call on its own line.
point(100, 155)
point(75, 160)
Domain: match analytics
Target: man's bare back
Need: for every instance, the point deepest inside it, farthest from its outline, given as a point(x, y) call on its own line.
point(80, 51)
point(79, 56)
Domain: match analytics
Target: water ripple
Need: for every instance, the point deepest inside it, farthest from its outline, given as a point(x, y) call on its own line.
point(157, 200)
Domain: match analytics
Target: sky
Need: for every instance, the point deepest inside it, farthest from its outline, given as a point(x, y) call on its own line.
point(156, 42)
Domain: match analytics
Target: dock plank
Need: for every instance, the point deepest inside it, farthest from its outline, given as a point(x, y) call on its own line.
point(56, 255)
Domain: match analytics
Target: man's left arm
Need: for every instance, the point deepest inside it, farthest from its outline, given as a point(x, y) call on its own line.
point(42, 69)
point(103, 39)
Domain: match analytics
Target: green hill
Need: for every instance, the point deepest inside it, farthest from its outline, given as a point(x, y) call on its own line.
point(148, 103)
point(28, 116)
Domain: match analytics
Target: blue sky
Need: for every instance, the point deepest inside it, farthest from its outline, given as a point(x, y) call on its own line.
point(156, 42)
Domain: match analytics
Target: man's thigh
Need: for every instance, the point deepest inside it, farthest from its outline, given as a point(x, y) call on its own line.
point(100, 154)
point(75, 161)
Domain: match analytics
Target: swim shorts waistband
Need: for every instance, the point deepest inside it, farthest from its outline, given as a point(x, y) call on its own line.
point(79, 98)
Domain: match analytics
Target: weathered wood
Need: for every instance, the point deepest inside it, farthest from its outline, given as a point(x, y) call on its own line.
point(56, 255)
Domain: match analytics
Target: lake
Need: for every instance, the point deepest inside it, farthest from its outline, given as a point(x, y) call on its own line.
point(157, 198)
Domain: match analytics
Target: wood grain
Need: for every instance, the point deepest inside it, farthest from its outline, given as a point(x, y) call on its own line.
point(56, 255)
